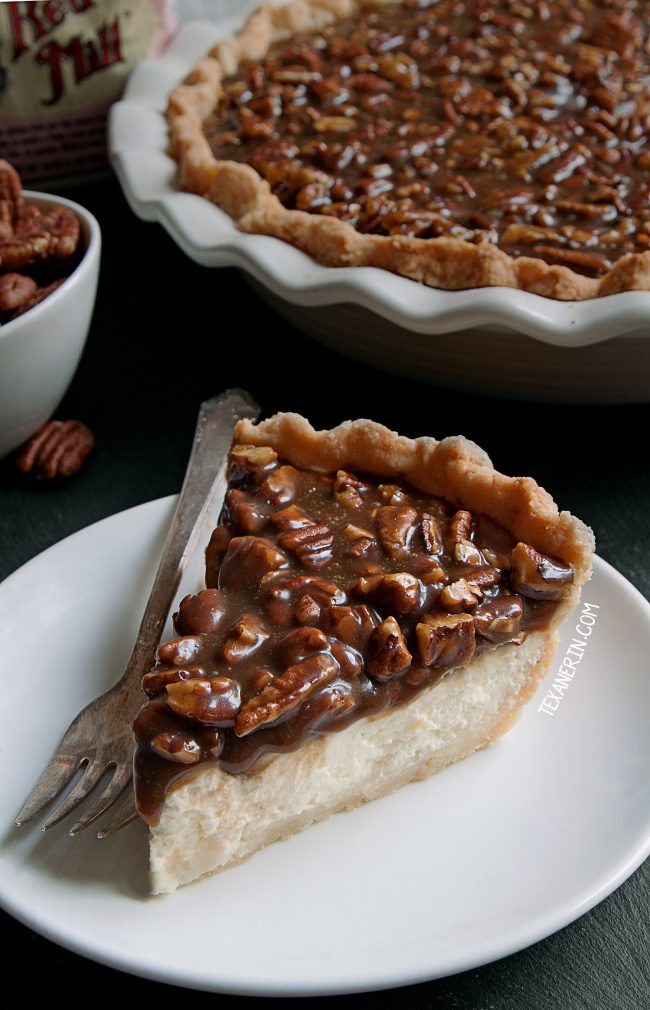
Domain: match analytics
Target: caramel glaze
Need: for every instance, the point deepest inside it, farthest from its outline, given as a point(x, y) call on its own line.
point(522, 123)
point(293, 636)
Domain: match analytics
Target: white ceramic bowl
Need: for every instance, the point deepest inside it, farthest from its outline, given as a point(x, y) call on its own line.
point(497, 340)
point(40, 350)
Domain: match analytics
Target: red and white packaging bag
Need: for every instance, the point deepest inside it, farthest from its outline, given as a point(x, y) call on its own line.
point(62, 64)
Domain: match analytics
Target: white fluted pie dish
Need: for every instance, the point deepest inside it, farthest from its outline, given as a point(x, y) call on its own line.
point(496, 340)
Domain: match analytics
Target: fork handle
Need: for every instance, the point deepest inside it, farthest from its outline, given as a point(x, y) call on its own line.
point(204, 487)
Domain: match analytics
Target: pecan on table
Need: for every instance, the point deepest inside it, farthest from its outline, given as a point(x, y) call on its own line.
point(57, 449)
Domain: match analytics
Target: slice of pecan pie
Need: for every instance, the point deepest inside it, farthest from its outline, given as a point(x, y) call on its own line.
point(376, 608)
point(459, 144)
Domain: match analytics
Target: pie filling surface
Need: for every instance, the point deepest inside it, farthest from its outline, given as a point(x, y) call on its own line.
point(524, 124)
point(329, 597)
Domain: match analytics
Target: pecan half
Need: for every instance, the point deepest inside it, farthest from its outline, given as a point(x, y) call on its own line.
point(285, 693)
point(58, 449)
point(257, 460)
point(284, 594)
point(445, 641)
point(37, 296)
point(312, 545)
point(537, 576)
point(388, 655)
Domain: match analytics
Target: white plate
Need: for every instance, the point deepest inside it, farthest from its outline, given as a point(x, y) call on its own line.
point(481, 860)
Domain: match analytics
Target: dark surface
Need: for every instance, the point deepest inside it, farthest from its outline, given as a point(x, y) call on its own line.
point(167, 334)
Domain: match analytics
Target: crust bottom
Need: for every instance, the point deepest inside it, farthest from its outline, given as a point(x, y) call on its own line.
point(216, 820)
point(450, 264)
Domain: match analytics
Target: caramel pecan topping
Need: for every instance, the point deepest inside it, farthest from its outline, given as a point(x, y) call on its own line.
point(520, 124)
point(272, 654)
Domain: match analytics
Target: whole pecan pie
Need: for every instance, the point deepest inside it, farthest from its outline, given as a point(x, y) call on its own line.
point(376, 607)
point(461, 144)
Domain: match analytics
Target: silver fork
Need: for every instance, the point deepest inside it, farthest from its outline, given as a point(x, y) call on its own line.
point(99, 738)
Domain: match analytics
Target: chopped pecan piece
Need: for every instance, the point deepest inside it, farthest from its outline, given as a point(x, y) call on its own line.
point(351, 625)
point(249, 515)
point(180, 651)
point(398, 593)
point(352, 532)
point(347, 489)
point(494, 542)
point(284, 593)
point(210, 702)
point(177, 745)
point(445, 641)
point(395, 525)
point(459, 596)
point(307, 610)
point(285, 693)
point(155, 682)
point(333, 702)
point(393, 494)
point(467, 553)
point(58, 449)
point(476, 575)
point(460, 526)
point(244, 639)
point(298, 645)
point(431, 534)
point(312, 545)
point(201, 613)
point(387, 652)
point(429, 571)
point(247, 559)
point(290, 518)
point(537, 576)
point(349, 660)
point(499, 620)
point(281, 485)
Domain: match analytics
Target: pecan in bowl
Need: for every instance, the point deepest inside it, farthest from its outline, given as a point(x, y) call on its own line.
point(49, 265)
